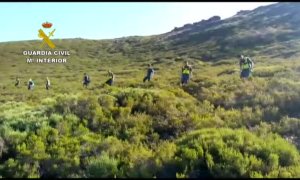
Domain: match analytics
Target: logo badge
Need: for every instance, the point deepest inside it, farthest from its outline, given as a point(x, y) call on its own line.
point(46, 39)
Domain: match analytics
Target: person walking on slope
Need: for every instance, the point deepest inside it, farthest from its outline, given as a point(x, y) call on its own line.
point(47, 83)
point(30, 84)
point(17, 82)
point(186, 73)
point(246, 67)
point(86, 80)
point(110, 81)
point(150, 73)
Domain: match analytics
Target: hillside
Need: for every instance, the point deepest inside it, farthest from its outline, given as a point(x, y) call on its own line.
point(217, 126)
point(275, 26)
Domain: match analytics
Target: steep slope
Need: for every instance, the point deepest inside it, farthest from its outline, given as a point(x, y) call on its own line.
point(272, 30)
point(273, 25)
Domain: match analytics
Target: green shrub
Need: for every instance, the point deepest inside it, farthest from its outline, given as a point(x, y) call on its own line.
point(102, 167)
point(238, 153)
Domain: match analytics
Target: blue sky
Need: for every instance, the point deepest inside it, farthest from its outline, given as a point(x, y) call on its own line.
point(21, 21)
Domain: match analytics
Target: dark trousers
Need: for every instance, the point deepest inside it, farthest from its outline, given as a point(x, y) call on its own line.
point(30, 87)
point(146, 78)
point(109, 82)
point(85, 84)
point(245, 73)
point(185, 78)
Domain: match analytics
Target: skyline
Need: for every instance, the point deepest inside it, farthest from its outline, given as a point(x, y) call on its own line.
point(21, 21)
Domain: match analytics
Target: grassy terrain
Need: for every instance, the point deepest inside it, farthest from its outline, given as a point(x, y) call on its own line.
point(217, 126)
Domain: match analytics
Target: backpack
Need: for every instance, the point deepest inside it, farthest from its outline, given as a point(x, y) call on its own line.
point(87, 78)
point(250, 62)
point(247, 60)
